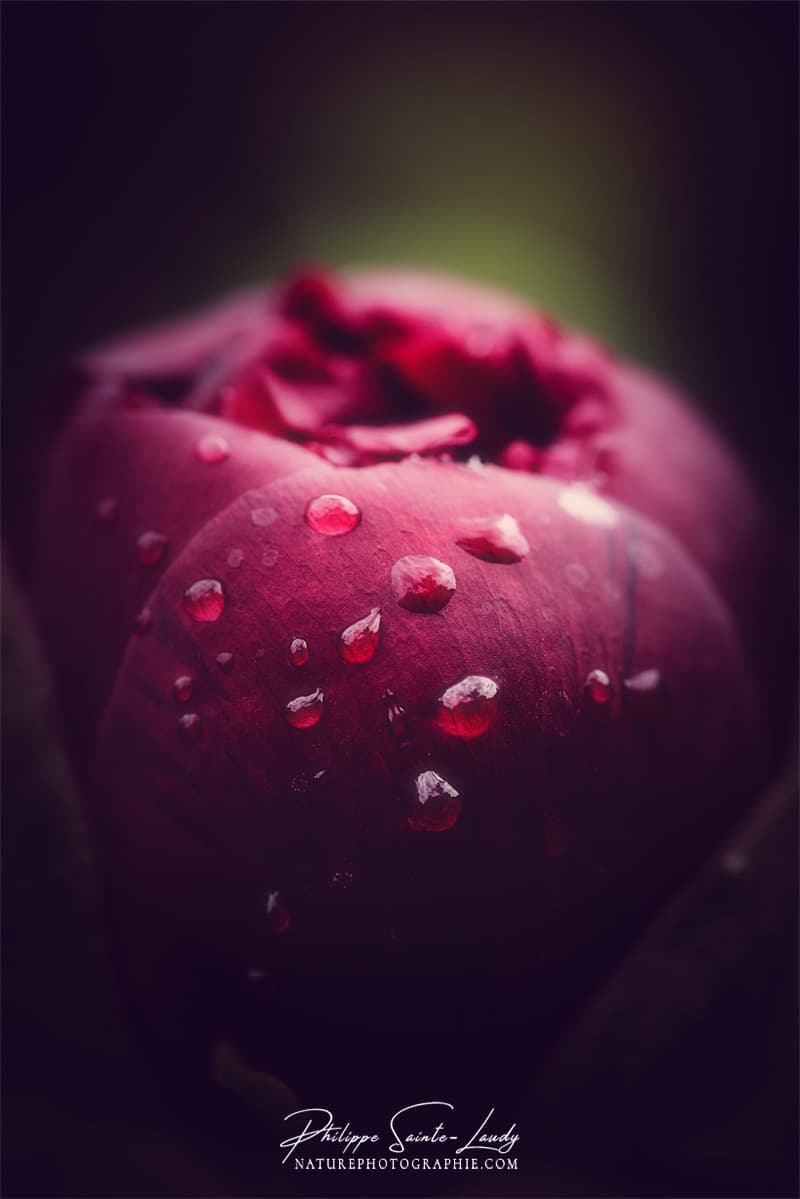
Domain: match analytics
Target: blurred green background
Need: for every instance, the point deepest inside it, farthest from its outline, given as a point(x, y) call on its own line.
point(631, 166)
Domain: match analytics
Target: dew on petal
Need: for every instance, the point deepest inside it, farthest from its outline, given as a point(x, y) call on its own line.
point(645, 680)
point(332, 515)
point(190, 728)
point(182, 689)
point(359, 641)
point(151, 547)
point(235, 558)
point(493, 538)
point(422, 584)
point(468, 709)
point(106, 511)
point(396, 717)
point(213, 448)
point(143, 622)
point(262, 518)
point(277, 913)
point(582, 504)
point(306, 710)
point(225, 661)
point(437, 804)
point(598, 687)
point(576, 574)
point(270, 556)
point(342, 880)
point(298, 652)
point(204, 600)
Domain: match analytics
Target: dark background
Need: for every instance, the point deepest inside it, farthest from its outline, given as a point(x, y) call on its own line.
point(632, 166)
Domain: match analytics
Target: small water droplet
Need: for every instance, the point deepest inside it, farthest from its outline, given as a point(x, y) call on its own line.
point(359, 641)
point(332, 515)
point(396, 718)
point(475, 463)
point(235, 558)
point(269, 556)
point(306, 710)
point(437, 805)
point(299, 784)
point(151, 547)
point(493, 538)
point(422, 584)
point(277, 913)
point(576, 574)
point(106, 511)
point(469, 708)
point(320, 775)
point(646, 559)
point(182, 689)
point(582, 504)
point(204, 600)
point(645, 680)
point(298, 652)
point(262, 518)
point(190, 727)
point(213, 448)
point(598, 687)
point(225, 661)
point(342, 880)
point(143, 622)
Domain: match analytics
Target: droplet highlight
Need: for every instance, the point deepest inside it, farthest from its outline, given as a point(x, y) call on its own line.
point(332, 515)
point(396, 718)
point(299, 652)
point(584, 505)
point(422, 584)
point(182, 689)
point(644, 681)
point(190, 728)
point(277, 913)
point(493, 538)
point(151, 547)
point(204, 600)
point(213, 448)
point(359, 641)
point(305, 711)
point(597, 687)
point(225, 661)
point(468, 709)
point(235, 558)
point(437, 804)
point(262, 518)
point(143, 622)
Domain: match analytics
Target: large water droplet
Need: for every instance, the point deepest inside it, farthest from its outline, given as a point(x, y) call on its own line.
point(213, 448)
point(262, 518)
point(492, 538)
point(190, 727)
point(359, 641)
point(277, 913)
point(270, 556)
point(645, 680)
point(422, 584)
point(235, 558)
point(106, 511)
point(306, 710)
point(298, 652)
point(204, 600)
point(582, 504)
point(437, 804)
point(332, 515)
point(469, 708)
point(225, 661)
point(598, 687)
point(182, 689)
point(396, 717)
point(143, 622)
point(151, 547)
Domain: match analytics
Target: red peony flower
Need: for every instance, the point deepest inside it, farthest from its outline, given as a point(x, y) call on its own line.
point(408, 647)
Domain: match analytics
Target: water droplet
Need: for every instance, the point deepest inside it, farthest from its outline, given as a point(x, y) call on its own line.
point(396, 717)
point(422, 584)
point(332, 515)
point(493, 538)
point(320, 775)
point(150, 548)
point(235, 558)
point(298, 652)
point(225, 661)
point(469, 708)
point(359, 641)
point(299, 784)
point(143, 622)
point(277, 913)
point(342, 880)
point(598, 687)
point(190, 727)
point(204, 600)
point(584, 505)
point(213, 448)
point(182, 689)
point(475, 463)
point(645, 680)
point(262, 518)
point(106, 511)
point(306, 710)
point(437, 805)
point(576, 574)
